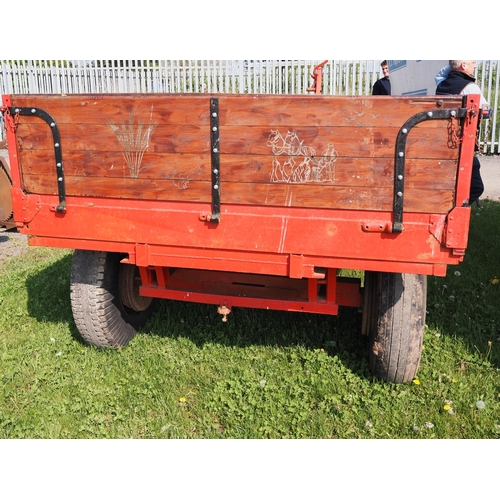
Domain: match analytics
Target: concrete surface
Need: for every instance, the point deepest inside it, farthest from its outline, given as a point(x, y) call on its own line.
point(490, 172)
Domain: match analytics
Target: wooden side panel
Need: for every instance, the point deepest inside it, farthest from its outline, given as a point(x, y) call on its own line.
point(298, 151)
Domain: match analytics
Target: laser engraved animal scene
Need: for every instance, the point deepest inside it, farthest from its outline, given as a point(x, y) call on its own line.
point(299, 163)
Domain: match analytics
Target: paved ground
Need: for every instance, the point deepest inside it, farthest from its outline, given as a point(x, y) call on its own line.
point(490, 172)
point(13, 243)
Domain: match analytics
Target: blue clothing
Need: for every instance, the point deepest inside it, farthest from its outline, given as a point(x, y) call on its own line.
point(443, 73)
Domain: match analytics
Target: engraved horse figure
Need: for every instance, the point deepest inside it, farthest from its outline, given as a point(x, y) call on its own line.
point(311, 167)
point(293, 147)
point(279, 145)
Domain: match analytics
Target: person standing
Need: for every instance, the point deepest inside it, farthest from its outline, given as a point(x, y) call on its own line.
point(383, 85)
point(460, 80)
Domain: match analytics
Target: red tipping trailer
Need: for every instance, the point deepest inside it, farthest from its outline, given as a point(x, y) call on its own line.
point(247, 201)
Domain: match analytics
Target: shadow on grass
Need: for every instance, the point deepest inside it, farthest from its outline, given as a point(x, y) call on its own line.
point(201, 324)
point(49, 301)
point(464, 304)
point(49, 295)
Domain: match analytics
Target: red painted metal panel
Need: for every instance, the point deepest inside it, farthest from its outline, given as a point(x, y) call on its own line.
point(175, 235)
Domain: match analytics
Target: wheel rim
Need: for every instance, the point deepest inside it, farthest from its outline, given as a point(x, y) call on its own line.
point(129, 282)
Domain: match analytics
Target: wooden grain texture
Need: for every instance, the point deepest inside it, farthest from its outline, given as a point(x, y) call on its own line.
point(301, 151)
point(361, 172)
point(356, 142)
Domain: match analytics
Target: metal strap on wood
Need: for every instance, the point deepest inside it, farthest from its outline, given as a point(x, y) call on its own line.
point(399, 167)
point(215, 152)
point(47, 118)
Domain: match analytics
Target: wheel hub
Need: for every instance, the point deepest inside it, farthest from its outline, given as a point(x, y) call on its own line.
point(129, 283)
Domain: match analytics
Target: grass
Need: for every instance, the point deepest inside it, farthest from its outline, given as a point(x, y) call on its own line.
point(263, 374)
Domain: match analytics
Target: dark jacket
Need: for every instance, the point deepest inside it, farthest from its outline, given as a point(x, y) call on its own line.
point(454, 83)
point(382, 86)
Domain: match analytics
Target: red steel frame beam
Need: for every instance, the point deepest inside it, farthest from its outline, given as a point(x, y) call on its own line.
point(256, 291)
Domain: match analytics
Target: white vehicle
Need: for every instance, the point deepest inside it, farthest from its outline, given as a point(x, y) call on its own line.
point(414, 77)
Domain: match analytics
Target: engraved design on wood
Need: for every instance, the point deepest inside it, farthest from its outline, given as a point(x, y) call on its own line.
point(181, 180)
point(134, 139)
point(300, 164)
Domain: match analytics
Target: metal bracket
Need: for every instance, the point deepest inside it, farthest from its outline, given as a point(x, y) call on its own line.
point(40, 113)
point(399, 168)
point(215, 151)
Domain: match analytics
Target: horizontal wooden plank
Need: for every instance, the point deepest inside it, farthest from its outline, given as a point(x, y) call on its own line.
point(109, 165)
point(422, 141)
point(102, 137)
point(120, 108)
point(354, 198)
point(242, 109)
point(181, 169)
point(322, 111)
point(262, 194)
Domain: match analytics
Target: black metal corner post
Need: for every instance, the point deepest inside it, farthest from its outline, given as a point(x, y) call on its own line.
point(399, 164)
point(40, 113)
point(215, 154)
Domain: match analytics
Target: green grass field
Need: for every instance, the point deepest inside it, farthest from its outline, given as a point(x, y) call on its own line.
point(263, 374)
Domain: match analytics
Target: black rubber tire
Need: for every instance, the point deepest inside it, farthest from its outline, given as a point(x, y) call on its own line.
point(97, 292)
point(395, 322)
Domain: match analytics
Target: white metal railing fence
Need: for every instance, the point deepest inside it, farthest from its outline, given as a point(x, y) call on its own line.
point(130, 76)
point(218, 76)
